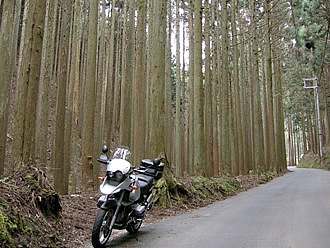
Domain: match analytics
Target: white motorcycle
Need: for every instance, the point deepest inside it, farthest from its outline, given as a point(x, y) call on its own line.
point(127, 194)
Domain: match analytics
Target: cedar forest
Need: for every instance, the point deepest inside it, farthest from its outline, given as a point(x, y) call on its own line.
point(214, 86)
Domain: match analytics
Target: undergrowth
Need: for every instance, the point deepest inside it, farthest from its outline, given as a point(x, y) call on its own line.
point(311, 160)
point(192, 190)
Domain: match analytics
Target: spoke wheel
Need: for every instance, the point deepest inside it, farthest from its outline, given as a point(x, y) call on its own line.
point(101, 231)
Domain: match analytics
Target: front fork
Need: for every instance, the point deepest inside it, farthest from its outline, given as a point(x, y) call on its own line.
point(113, 220)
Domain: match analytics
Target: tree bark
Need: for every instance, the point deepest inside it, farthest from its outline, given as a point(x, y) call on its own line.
point(89, 100)
point(199, 139)
point(6, 70)
point(62, 169)
point(156, 141)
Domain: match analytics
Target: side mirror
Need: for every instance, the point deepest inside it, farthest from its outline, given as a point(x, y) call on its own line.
point(156, 161)
point(105, 149)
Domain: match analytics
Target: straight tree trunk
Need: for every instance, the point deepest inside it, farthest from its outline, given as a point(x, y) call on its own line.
point(28, 82)
point(208, 95)
point(62, 169)
point(140, 86)
point(72, 137)
point(199, 139)
point(46, 77)
point(257, 123)
point(178, 119)
point(270, 146)
point(89, 100)
point(127, 75)
point(169, 110)
point(191, 169)
point(225, 90)
point(6, 71)
point(156, 140)
point(111, 76)
point(237, 104)
point(215, 92)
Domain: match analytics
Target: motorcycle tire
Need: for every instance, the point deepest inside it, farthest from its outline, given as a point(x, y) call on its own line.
point(134, 227)
point(101, 232)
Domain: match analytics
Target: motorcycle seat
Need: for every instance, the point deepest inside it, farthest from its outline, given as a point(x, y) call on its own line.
point(146, 179)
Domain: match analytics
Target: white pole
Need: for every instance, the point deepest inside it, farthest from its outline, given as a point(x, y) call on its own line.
point(318, 109)
point(319, 118)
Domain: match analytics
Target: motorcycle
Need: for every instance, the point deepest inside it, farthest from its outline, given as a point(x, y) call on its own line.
point(128, 193)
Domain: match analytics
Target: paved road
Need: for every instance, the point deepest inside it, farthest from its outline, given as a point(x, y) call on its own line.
point(290, 211)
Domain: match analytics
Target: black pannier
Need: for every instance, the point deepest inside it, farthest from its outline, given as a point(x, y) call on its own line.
point(152, 168)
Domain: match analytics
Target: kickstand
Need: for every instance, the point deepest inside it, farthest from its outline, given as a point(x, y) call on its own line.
point(135, 236)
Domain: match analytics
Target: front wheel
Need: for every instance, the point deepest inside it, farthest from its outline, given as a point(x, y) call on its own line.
point(101, 229)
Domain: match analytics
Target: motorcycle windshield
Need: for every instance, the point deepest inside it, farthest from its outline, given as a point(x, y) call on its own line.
point(121, 153)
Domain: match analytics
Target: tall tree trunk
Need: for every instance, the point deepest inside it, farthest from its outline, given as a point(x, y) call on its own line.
point(208, 95)
point(72, 138)
point(215, 91)
point(140, 86)
point(178, 119)
point(191, 99)
point(257, 123)
point(237, 104)
point(127, 75)
point(6, 70)
point(225, 90)
point(270, 138)
point(111, 77)
point(156, 141)
point(169, 110)
point(61, 170)
point(28, 82)
point(46, 77)
point(199, 139)
point(89, 99)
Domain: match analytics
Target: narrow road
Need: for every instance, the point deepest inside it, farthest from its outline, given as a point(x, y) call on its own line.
point(290, 211)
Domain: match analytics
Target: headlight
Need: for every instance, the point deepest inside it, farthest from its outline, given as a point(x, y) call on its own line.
point(115, 176)
point(119, 176)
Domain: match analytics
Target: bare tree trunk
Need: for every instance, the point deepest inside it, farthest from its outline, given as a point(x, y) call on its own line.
point(237, 104)
point(208, 107)
point(270, 137)
point(111, 77)
point(61, 170)
point(140, 87)
point(127, 75)
point(225, 90)
point(46, 77)
point(199, 139)
point(169, 110)
point(6, 70)
point(157, 80)
point(28, 82)
point(257, 123)
point(191, 169)
point(89, 100)
point(72, 139)
point(178, 119)
point(215, 92)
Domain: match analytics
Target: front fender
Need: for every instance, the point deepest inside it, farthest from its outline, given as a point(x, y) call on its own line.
point(109, 204)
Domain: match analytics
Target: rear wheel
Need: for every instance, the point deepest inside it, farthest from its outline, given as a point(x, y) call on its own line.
point(101, 229)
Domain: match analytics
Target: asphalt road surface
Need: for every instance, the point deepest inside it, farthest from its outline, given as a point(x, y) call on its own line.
point(290, 211)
